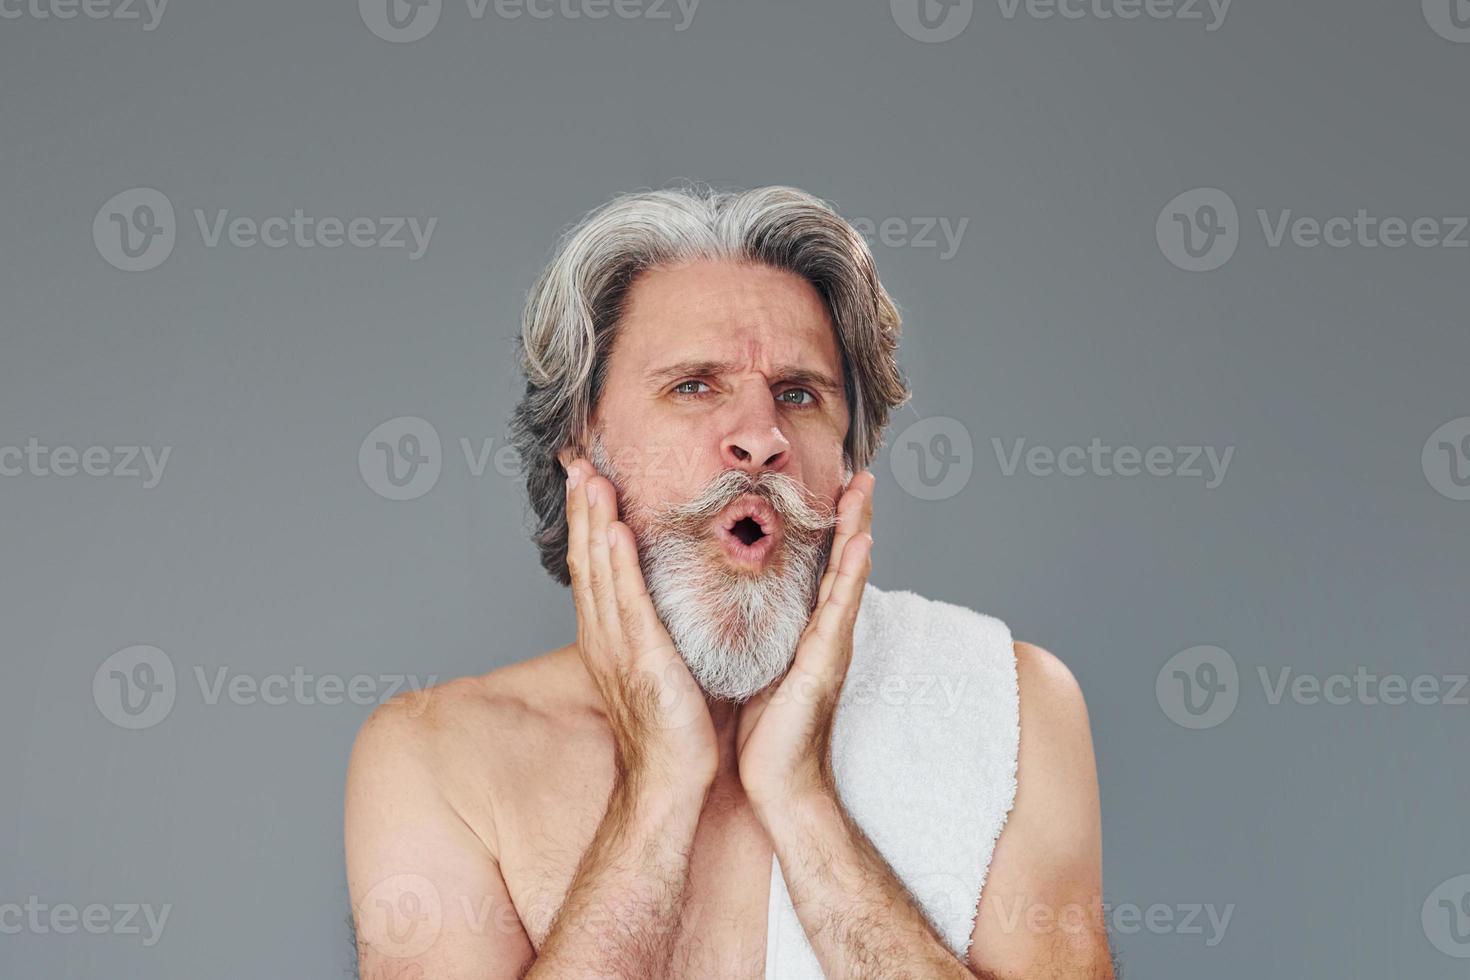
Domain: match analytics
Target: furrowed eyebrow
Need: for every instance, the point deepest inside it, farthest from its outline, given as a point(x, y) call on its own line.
point(686, 369)
point(809, 379)
point(704, 369)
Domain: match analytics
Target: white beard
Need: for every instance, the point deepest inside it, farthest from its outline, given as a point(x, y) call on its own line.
point(736, 631)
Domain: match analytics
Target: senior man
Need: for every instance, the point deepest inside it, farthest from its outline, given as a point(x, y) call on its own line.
point(703, 783)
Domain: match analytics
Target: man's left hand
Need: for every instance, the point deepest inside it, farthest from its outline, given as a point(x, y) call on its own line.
point(784, 734)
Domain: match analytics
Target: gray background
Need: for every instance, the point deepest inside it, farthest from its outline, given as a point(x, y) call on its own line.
point(264, 548)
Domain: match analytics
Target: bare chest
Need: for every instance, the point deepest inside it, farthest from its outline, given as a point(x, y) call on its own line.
point(546, 823)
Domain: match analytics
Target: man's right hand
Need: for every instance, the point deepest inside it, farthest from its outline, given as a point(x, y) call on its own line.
point(408, 848)
point(660, 723)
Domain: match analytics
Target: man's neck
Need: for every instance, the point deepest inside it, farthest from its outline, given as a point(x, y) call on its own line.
point(726, 718)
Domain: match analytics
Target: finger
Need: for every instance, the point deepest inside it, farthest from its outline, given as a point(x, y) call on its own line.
point(836, 617)
point(854, 516)
point(577, 556)
point(865, 519)
point(640, 623)
point(601, 511)
point(847, 509)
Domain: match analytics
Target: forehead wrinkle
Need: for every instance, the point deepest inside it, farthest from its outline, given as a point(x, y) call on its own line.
point(782, 372)
point(762, 346)
point(747, 322)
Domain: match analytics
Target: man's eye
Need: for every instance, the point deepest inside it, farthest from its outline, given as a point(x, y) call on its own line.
point(802, 396)
point(690, 387)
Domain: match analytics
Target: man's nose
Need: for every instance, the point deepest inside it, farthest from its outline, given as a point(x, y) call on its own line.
point(754, 441)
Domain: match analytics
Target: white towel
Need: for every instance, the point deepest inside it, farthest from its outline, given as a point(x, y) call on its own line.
point(924, 752)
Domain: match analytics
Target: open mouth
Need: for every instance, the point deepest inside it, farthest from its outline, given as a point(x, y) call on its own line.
point(748, 529)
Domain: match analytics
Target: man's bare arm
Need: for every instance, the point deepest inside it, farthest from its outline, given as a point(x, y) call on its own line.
point(859, 918)
point(857, 915)
point(429, 902)
point(428, 899)
point(1041, 914)
point(621, 914)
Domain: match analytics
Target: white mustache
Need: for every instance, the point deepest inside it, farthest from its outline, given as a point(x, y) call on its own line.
point(803, 514)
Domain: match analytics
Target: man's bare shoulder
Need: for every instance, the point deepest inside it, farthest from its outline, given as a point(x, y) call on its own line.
point(468, 739)
point(1049, 856)
point(1049, 691)
point(549, 691)
point(1056, 813)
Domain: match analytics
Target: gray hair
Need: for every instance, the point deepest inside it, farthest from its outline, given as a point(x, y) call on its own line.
point(572, 315)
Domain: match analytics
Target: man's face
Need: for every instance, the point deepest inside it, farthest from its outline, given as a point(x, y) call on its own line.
point(721, 422)
point(723, 365)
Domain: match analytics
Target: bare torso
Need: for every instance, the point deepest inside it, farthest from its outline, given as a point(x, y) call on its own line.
point(533, 783)
point(484, 793)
